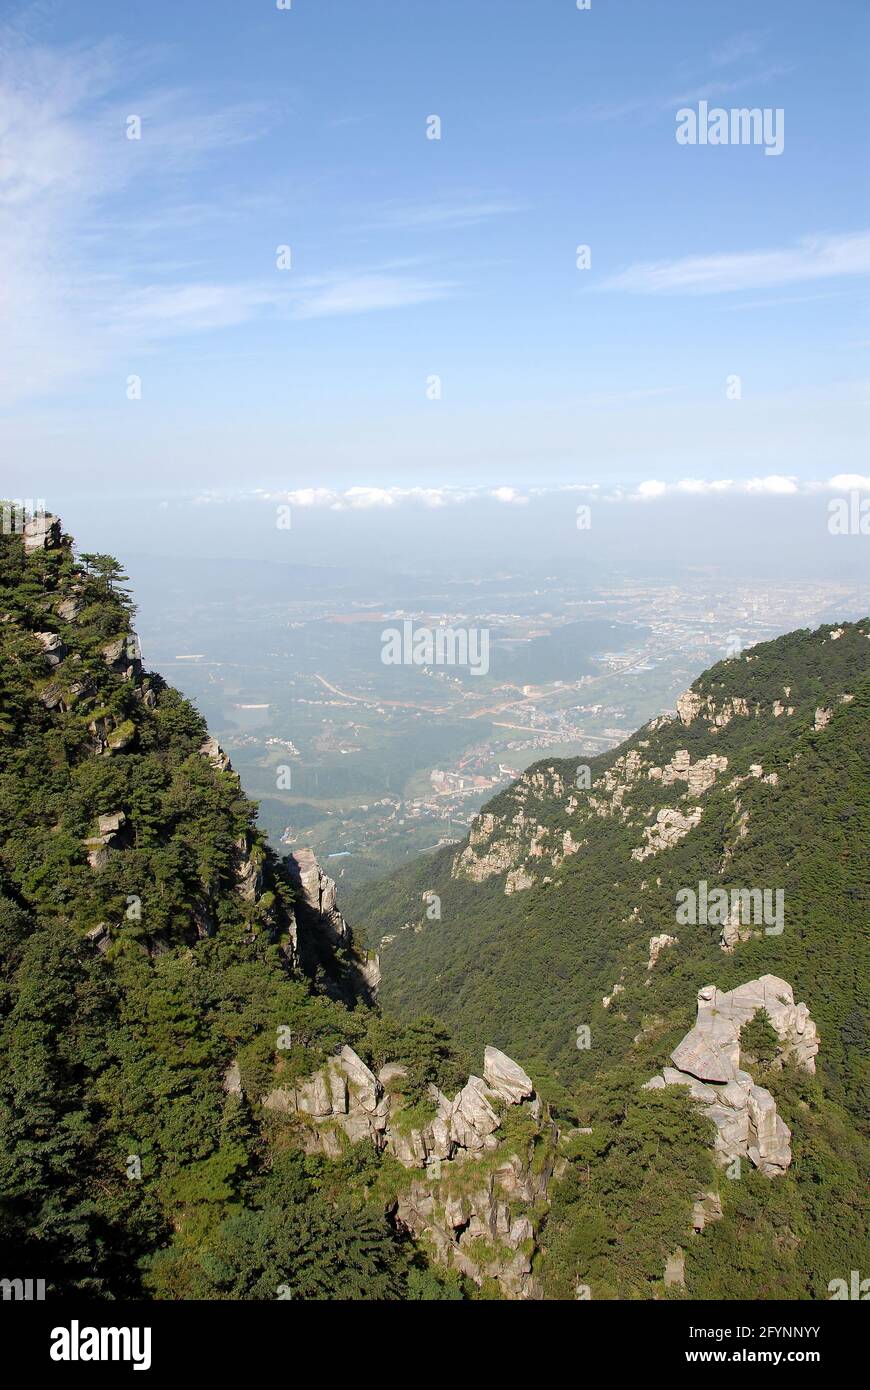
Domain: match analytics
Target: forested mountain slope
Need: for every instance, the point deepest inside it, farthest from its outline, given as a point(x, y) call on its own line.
point(560, 913)
point(160, 970)
point(200, 1098)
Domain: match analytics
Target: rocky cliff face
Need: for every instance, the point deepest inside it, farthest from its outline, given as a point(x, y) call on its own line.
point(313, 930)
point(480, 1163)
point(658, 788)
point(321, 937)
point(708, 1062)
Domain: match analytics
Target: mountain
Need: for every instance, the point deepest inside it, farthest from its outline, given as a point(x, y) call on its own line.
point(190, 1056)
point(208, 1091)
point(583, 918)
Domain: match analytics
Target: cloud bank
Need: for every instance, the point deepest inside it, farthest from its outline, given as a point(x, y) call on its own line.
point(366, 498)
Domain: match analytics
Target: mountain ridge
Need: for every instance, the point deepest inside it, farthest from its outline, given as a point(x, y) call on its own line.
point(199, 1100)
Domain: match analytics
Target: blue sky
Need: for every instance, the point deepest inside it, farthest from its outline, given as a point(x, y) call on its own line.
point(413, 257)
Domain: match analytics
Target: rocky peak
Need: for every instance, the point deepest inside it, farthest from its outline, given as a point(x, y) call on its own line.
point(469, 1216)
point(317, 897)
point(708, 1062)
point(42, 532)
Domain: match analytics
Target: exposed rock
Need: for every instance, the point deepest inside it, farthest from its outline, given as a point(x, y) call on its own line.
point(500, 844)
point(53, 646)
point(675, 1270)
point(517, 880)
point(612, 786)
point(114, 650)
point(123, 655)
point(69, 609)
point(317, 897)
point(609, 998)
point(232, 1081)
point(708, 1207)
point(52, 696)
point(670, 826)
point(570, 845)
point(657, 944)
point(346, 1092)
point(506, 1078)
point(392, 1073)
point(121, 737)
point(111, 824)
point(473, 1120)
point(363, 1083)
point(822, 719)
point(691, 704)
point(42, 532)
point(370, 970)
point(478, 1229)
point(212, 750)
point(109, 837)
point(698, 776)
point(791, 1022)
point(495, 859)
point(98, 936)
point(708, 1062)
point(248, 870)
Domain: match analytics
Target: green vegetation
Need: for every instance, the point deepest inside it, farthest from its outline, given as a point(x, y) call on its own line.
point(522, 971)
point(146, 944)
point(126, 1169)
point(758, 1040)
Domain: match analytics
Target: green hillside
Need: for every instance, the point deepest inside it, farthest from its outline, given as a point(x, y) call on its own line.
point(525, 968)
point(146, 943)
point(178, 1004)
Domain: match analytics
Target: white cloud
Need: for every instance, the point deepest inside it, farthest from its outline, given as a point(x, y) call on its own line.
point(509, 495)
point(74, 296)
point(773, 485)
point(447, 214)
point(850, 482)
point(745, 45)
point(813, 258)
point(364, 498)
point(162, 310)
point(360, 294)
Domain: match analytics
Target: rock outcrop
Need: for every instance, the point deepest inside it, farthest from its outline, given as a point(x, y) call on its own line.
point(53, 646)
point(657, 944)
point(316, 903)
point(691, 706)
point(465, 1208)
point(698, 776)
point(708, 1062)
point(42, 532)
point(109, 836)
point(669, 827)
point(675, 1270)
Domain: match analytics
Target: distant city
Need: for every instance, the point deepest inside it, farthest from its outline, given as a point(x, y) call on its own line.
point(370, 763)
